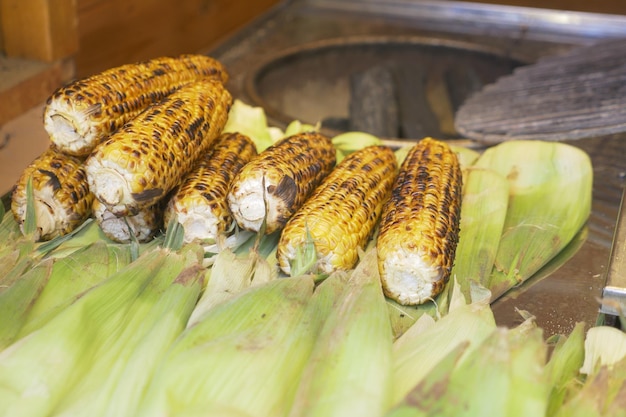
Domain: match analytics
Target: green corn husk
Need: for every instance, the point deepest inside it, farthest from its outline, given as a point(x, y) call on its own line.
point(349, 142)
point(15, 262)
point(550, 201)
point(114, 384)
point(243, 357)
point(502, 376)
point(233, 272)
point(604, 346)
point(17, 300)
point(250, 121)
point(72, 276)
point(562, 368)
point(467, 157)
point(40, 370)
point(603, 391)
point(483, 212)
point(424, 344)
point(9, 231)
point(228, 276)
point(349, 371)
point(423, 396)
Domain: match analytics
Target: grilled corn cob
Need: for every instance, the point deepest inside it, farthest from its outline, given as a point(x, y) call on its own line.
point(420, 224)
point(199, 203)
point(61, 194)
point(141, 226)
point(80, 115)
point(341, 213)
point(276, 183)
point(144, 160)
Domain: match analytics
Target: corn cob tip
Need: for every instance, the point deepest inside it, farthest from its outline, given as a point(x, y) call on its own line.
point(141, 226)
point(411, 280)
point(61, 196)
point(111, 185)
point(199, 203)
point(69, 129)
point(275, 184)
point(253, 205)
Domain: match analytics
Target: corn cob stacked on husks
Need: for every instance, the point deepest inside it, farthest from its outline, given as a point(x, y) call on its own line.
point(273, 186)
point(340, 215)
point(199, 202)
point(81, 114)
point(144, 160)
point(419, 226)
point(62, 199)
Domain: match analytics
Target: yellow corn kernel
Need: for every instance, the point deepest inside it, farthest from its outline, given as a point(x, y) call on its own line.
point(419, 227)
point(80, 115)
point(341, 213)
point(199, 203)
point(276, 183)
point(144, 160)
point(61, 194)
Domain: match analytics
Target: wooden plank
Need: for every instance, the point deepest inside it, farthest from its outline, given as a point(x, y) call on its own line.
point(45, 30)
point(26, 83)
point(115, 32)
point(1, 34)
point(21, 140)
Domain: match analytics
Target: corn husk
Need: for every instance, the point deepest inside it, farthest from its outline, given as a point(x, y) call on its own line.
point(115, 382)
point(562, 368)
point(483, 212)
point(250, 121)
point(17, 300)
point(349, 369)
point(9, 231)
point(604, 346)
point(603, 391)
point(423, 397)
point(467, 157)
point(71, 277)
point(242, 357)
point(417, 351)
point(349, 142)
point(502, 376)
point(550, 201)
point(228, 276)
point(232, 272)
point(42, 369)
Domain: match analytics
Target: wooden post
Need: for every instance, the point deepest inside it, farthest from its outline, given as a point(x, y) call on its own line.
point(44, 30)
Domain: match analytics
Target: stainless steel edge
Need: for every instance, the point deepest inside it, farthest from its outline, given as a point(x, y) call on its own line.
point(514, 21)
point(614, 292)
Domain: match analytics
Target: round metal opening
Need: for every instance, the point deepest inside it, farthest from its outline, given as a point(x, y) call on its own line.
point(315, 83)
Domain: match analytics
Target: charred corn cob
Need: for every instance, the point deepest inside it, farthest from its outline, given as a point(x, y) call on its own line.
point(80, 115)
point(420, 224)
point(61, 194)
point(144, 160)
point(199, 203)
point(141, 226)
point(341, 213)
point(276, 183)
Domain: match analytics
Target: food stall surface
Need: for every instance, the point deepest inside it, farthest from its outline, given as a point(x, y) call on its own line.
point(266, 58)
